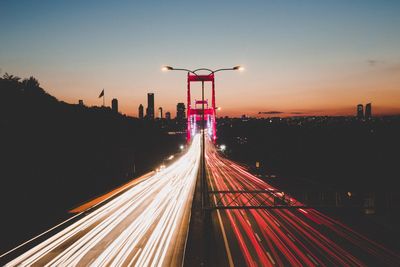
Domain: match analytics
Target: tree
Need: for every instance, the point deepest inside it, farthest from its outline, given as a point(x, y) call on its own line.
point(32, 82)
point(10, 77)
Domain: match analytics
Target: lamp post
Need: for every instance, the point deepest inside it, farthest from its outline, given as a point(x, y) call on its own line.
point(203, 165)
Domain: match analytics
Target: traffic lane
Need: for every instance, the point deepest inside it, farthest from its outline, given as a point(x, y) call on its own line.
point(251, 239)
point(240, 234)
point(322, 231)
point(281, 239)
point(326, 252)
point(254, 224)
point(85, 230)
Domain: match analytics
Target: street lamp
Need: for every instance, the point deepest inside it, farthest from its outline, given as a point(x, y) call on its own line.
point(165, 68)
point(203, 165)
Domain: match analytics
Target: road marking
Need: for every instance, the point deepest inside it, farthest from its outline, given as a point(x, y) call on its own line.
point(313, 260)
point(258, 238)
point(303, 211)
point(291, 237)
point(134, 257)
point(228, 250)
point(270, 258)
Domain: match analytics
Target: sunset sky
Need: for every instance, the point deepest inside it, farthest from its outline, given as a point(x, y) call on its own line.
point(310, 57)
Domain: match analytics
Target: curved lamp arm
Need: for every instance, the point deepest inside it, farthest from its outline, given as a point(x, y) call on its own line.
point(194, 71)
point(171, 68)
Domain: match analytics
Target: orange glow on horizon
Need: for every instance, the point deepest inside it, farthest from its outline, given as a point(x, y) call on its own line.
point(289, 93)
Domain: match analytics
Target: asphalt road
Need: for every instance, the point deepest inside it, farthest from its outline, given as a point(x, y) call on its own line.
point(284, 237)
point(144, 225)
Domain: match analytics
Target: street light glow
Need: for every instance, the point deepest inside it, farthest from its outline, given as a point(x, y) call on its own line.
point(166, 68)
point(239, 68)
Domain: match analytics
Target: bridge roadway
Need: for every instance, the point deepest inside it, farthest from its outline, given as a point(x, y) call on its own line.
point(145, 225)
point(284, 237)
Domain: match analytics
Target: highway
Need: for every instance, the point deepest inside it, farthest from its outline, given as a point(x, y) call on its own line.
point(282, 237)
point(146, 225)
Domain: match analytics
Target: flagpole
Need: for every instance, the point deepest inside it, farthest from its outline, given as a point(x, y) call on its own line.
point(102, 94)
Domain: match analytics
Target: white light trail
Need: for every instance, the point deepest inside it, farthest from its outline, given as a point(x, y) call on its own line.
point(140, 227)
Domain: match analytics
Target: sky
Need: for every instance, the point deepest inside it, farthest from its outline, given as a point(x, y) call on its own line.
point(306, 57)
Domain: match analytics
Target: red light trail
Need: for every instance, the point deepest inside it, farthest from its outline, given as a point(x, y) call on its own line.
point(282, 236)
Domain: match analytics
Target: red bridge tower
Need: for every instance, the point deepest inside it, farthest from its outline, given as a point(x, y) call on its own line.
point(194, 115)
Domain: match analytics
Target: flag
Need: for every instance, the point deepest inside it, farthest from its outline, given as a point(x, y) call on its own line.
point(101, 94)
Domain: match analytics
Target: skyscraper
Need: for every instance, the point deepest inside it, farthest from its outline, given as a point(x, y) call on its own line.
point(368, 111)
point(180, 111)
point(141, 111)
point(360, 111)
point(150, 106)
point(114, 105)
point(168, 115)
point(160, 114)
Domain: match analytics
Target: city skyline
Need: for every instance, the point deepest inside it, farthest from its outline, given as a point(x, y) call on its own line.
point(300, 59)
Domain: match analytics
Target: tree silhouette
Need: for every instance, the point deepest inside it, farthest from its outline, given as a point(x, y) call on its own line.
point(10, 77)
point(32, 82)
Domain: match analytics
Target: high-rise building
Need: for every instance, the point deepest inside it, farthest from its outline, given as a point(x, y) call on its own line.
point(141, 115)
point(160, 115)
point(360, 111)
point(150, 106)
point(167, 115)
point(114, 105)
point(180, 111)
point(368, 111)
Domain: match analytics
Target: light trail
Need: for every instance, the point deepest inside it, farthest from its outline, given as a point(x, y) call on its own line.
point(285, 237)
point(140, 227)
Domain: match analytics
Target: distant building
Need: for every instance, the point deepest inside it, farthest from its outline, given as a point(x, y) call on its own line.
point(167, 115)
point(160, 114)
point(114, 105)
point(360, 111)
point(150, 106)
point(141, 113)
point(368, 111)
point(180, 111)
point(80, 102)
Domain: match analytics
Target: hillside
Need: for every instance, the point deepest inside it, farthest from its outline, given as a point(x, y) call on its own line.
point(56, 155)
